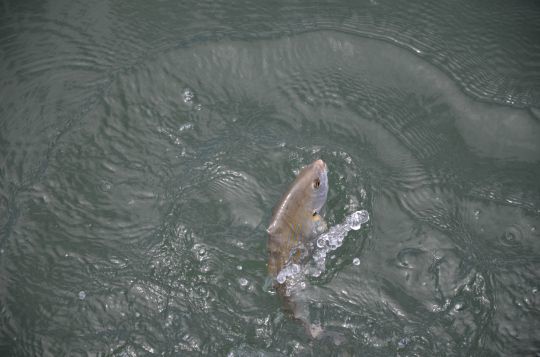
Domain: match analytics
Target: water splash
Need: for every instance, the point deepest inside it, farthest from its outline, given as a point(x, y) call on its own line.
point(293, 274)
point(333, 239)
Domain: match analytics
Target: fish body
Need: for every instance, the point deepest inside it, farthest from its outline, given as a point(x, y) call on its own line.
point(296, 221)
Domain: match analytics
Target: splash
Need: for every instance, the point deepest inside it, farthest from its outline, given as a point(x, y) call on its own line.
point(293, 274)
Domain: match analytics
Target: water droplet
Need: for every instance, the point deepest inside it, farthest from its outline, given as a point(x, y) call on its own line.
point(82, 295)
point(356, 219)
point(185, 126)
point(243, 281)
point(403, 343)
point(187, 96)
point(356, 261)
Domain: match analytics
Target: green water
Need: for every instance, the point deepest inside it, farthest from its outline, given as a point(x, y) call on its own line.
point(143, 145)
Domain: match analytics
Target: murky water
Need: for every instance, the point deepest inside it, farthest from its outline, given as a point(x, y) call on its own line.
point(143, 145)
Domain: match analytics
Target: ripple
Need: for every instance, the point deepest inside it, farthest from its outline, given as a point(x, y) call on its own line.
point(163, 138)
point(511, 237)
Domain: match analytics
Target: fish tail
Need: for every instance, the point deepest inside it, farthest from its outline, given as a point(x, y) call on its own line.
point(314, 330)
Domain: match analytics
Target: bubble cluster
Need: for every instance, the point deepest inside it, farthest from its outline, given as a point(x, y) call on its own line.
point(290, 270)
point(356, 219)
point(333, 239)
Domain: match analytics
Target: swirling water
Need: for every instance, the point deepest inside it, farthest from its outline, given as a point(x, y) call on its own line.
point(143, 145)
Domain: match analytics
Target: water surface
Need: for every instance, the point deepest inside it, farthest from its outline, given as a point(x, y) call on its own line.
point(143, 145)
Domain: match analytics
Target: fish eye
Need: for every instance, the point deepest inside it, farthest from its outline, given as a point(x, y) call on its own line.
point(316, 183)
point(314, 213)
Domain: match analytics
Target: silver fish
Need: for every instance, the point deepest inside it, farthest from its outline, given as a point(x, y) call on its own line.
point(296, 221)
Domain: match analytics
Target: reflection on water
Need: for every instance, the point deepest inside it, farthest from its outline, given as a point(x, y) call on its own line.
point(142, 146)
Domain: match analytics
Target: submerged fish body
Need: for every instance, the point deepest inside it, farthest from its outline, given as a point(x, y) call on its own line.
point(296, 221)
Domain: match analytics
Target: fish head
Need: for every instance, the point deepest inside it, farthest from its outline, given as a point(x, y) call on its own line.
point(304, 200)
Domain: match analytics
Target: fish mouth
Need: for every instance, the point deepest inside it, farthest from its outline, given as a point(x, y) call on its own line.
point(320, 165)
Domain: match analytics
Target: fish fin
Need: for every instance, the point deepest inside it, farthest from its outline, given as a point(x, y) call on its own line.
point(271, 228)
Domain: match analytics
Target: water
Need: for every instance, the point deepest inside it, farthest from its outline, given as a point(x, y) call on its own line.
point(143, 145)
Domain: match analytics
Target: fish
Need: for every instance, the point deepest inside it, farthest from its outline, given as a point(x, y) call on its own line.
point(297, 219)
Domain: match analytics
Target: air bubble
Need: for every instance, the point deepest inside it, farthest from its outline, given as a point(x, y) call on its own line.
point(356, 261)
point(243, 281)
point(82, 295)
